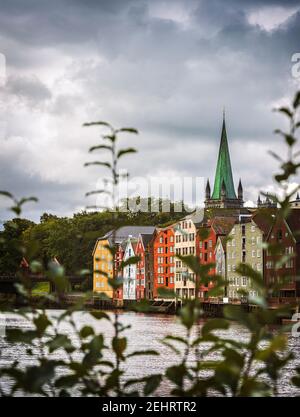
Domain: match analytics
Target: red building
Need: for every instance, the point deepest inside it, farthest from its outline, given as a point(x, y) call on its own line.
point(285, 234)
point(163, 260)
point(206, 240)
point(142, 266)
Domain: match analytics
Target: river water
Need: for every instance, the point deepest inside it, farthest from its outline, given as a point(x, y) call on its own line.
point(146, 332)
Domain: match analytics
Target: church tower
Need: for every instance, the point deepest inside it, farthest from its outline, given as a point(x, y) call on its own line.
point(223, 195)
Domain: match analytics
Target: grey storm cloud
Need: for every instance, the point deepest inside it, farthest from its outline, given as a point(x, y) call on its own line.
point(30, 89)
point(165, 67)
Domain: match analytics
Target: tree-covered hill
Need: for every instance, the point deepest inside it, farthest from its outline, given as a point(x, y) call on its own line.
point(69, 239)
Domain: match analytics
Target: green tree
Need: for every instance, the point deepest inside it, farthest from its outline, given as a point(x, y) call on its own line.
point(11, 250)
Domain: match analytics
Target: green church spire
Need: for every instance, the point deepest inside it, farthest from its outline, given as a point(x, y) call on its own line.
point(223, 171)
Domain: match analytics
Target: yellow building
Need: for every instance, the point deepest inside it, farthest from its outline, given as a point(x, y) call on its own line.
point(103, 267)
point(102, 259)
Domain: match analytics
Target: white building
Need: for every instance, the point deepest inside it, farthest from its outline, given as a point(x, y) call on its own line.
point(129, 271)
point(220, 255)
point(185, 244)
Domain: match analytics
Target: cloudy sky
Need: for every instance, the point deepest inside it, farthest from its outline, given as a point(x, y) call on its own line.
point(164, 67)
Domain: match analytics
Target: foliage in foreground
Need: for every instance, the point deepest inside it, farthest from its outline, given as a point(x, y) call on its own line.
point(89, 364)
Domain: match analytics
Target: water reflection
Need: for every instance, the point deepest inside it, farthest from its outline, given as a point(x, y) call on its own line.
point(146, 332)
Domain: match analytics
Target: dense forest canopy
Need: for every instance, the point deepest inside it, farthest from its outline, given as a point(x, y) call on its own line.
point(70, 240)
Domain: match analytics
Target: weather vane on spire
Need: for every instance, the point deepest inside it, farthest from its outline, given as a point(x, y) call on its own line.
point(223, 112)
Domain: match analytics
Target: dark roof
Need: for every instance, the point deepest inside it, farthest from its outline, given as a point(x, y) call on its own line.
point(264, 218)
point(146, 238)
point(121, 234)
point(127, 231)
point(293, 221)
point(223, 225)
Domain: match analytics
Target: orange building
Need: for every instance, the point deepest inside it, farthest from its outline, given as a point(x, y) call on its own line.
point(163, 259)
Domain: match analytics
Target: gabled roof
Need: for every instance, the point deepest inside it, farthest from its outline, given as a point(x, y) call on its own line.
point(121, 234)
point(223, 175)
point(293, 222)
point(264, 218)
point(223, 225)
point(130, 241)
point(145, 238)
point(134, 245)
point(128, 231)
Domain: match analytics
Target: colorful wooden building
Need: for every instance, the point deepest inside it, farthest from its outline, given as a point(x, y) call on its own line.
point(163, 260)
point(285, 233)
point(142, 270)
point(185, 244)
point(129, 271)
point(103, 263)
point(206, 241)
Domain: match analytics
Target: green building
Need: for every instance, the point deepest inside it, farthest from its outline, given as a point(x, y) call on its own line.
point(244, 245)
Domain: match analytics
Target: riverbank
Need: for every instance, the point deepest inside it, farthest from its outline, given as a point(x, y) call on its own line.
point(210, 309)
